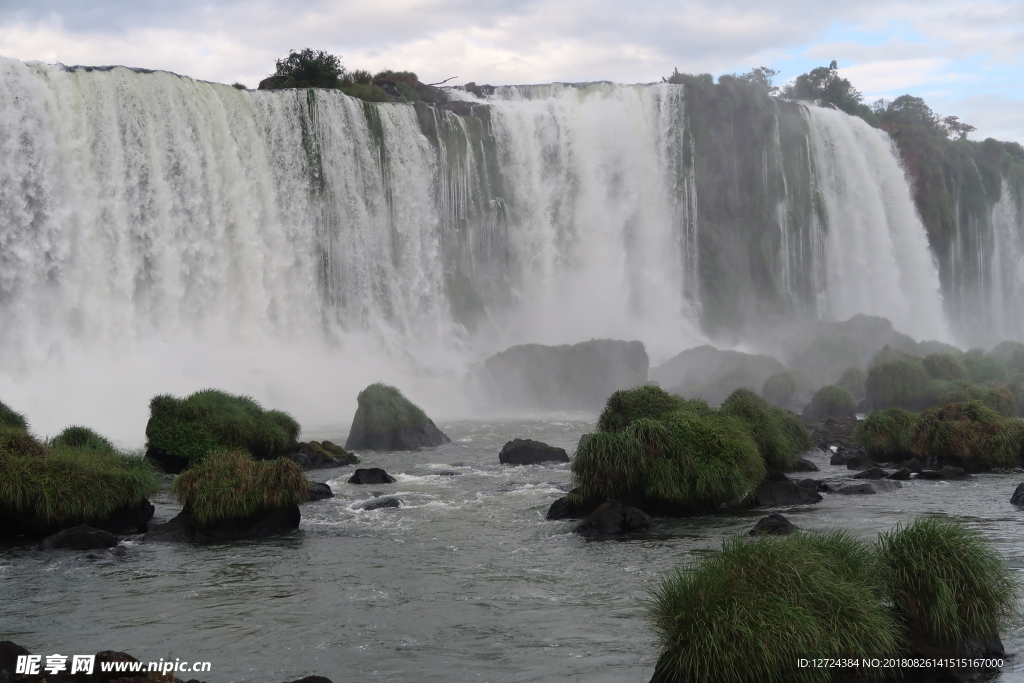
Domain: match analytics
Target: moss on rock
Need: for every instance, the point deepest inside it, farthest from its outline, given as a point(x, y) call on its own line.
point(387, 420)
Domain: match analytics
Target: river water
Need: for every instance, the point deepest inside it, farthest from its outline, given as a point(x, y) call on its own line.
point(467, 581)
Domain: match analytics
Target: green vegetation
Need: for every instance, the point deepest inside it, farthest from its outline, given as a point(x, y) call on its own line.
point(854, 380)
point(306, 69)
point(229, 484)
point(969, 434)
point(11, 420)
point(982, 367)
point(629, 405)
point(946, 582)
point(886, 434)
point(902, 383)
point(748, 613)
point(779, 388)
point(943, 366)
point(826, 85)
point(68, 482)
point(382, 409)
point(831, 401)
point(780, 436)
point(211, 420)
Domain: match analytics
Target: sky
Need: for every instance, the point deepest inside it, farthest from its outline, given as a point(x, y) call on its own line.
point(965, 58)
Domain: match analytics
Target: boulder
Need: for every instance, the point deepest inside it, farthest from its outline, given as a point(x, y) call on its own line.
point(947, 473)
point(562, 509)
point(267, 522)
point(320, 492)
point(383, 503)
point(425, 436)
point(613, 518)
point(860, 462)
point(316, 456)
point(900, 475)
point(914, 465)
point(805, 465)
point(530, 452)
point(774, 524)
point(386, 420)
point(131, 519)
point(372, 475)
point(776, 493)
point(81, 537)
point(9, 653)
point(1018, 496)
point(312, 679)
point(167, 462)
point(873, 473)
point(870, 487)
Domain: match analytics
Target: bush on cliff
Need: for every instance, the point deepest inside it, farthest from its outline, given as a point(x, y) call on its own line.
point(946, 582)
point(82, 438)
point(747, 614)
point(982, 367)
point(970, 434)
point(831, 401)
point(780, 436)
point(10, 419)
point(779, 388)
point(901, 383)
point(229, 484)
point(853, 380)
point(886, 434)
point(306, 68)
point(943, 366)
point(209, 420)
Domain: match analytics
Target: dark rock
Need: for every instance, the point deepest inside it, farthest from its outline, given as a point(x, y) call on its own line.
point(449, 474)
point(776, 493)
point(383, 503)
point(130, 519)
point(81, 537)
point(775, 475)
point(184, 529)
point(312, 679)
point(1018, 495)
point(946, 473)
point(562, 509)
point(614, 518)
point(869, 487)
point(900, 475)
point(9, 653)
point(427, 436)
point(313, 456)
point(774, 524)
point(805, 465)
point(372, 475)
point(839, 457)
point(860, 462)
point(320, 492)
point(873, 473)
point(914, 465)
point(166, 462)
point(530, 452)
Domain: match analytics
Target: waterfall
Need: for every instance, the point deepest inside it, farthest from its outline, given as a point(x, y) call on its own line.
point(162, 234)
point(1007, 267)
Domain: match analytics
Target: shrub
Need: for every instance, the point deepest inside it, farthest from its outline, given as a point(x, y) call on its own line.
point(649, 401)
point(968, 433)
point(50, 488)
point(382, 409)
point(946, 582)
point(886, 434)
point(209, 420)
point(366, 92)
point(999, 399)
point(853, 380)
point(229, 484)
point(945, 367)
point(779, 388)
point(780, 436)
point(984, 368)
point(239, 86)
point(82, 438)
point(305, 69)
point(889, 354)
point(831, 401)
point(10, 419)
point(902, 383)
point(749, 612)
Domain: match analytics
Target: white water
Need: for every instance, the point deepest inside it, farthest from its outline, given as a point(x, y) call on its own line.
point(159, 234)
point(1007, 268)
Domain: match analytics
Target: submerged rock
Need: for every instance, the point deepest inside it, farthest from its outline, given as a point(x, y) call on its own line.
point(870, 487)
point(1018, 495)
point(860, 462)
point(945, 474)
point(80, 537)
point(613, 518)
point(185, 529)
point(805, 465)
point(900, 475)
point(130, 519)
point(383, 503)
point(873, 473)
point(776, 493)
point(371, 475)
point(530, 452)
point(320, 492)
point(317, 456)
point(774, 524)
point(562, 509)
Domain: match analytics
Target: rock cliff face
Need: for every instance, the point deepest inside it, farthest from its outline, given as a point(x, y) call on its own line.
point(533, 376)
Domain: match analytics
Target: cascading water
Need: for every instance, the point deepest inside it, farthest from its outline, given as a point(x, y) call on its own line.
point(159, 234)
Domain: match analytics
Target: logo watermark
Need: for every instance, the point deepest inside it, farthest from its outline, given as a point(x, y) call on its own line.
point(34, 665)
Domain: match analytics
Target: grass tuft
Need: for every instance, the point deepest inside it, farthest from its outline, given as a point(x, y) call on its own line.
point(648, 401)
point(853, 380)
point(209, 420)
point(901, 383)
point(968, 433)
point(831, 401)
point(946, 582)
point(229, 484)
point(886, 434)
point(382, 409)
point(945, 367)
point(9, 419)
point(779, 388)
point(748, 613)
point(82, 438)
point(780, 436)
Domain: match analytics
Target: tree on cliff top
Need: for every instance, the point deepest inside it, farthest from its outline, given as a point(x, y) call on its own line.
point(825, 84)
point(307, 68)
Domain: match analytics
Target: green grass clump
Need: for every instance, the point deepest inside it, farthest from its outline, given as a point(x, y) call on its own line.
point(780, 436)
point(886, 434)
point(982, 367)
point(229, 484)
point(748, 613)
point(382, 409)
point(853, 380)
point(11, 420)
point(968, 433)
point(945, 367)
point(48, 488)
point(946, 582)
point(779, 388)
point(831, 401)
point(999, 398)
point(902, 383)
point(82, 438)
point(210, 420)
point(649, 401)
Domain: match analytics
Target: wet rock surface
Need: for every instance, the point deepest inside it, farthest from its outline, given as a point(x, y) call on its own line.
point(777, 493)
point(320, 492)
point(614, 519)
point(383, 503)
point(530, 452)
point(371, 475)
point(774, 524)
point(80, 537)
point(185, 529)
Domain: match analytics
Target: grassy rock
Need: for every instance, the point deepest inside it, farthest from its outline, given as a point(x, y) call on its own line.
point(181, 432)
point(970, 435)
point(946, 582)
point(230, 485)
point(748, 613)
point(629, 405)
point(854, 380)
point(387, 420)
point(886, 434)
point(831, 401)
point(779, 388)
point(11, 420)
point(82, 438)
point(780, 436)
point(982, 367)
point(943, 366)
point(902, 382)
